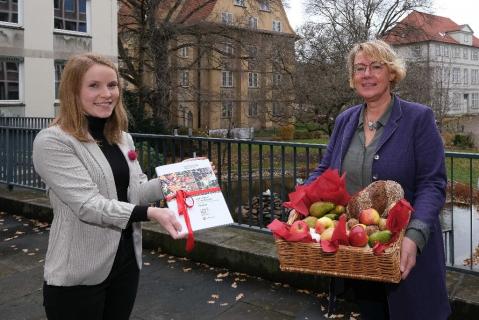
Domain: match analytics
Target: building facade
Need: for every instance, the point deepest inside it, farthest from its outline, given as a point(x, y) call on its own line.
point(451, 54)
point(231, 64)
point(36, 39)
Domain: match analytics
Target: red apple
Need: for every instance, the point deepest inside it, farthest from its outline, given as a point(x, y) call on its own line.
point(322, 224)
point(369, 216)
point(358, 236)
point(299, 227)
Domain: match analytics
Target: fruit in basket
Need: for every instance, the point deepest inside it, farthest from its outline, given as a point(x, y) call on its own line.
point(371, 229)
point(380, 237)
point(320, 208)
point(299, 227)
point(327, 234)
point(311, 221)
point(351, 223)
point(322, 224)
point(358, 236)
point(382, 224)
point(332, 216)
point(369, 216)
point(339, 209)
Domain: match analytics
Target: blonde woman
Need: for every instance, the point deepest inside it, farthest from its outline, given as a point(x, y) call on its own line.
point(98, 194)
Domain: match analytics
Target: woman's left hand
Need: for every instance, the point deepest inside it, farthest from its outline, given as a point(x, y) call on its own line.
point(408, 257)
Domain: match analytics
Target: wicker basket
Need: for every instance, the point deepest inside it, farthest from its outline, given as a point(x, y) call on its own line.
point(347, 262)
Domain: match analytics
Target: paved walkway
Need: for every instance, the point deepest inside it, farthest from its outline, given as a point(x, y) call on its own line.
point(161, 296)
point(170, 287)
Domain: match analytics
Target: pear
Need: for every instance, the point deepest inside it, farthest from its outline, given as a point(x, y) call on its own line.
point(380, 236)
point(320, 208)
point(311, 221)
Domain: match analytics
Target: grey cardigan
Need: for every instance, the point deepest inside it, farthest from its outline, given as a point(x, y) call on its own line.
point(88, 218)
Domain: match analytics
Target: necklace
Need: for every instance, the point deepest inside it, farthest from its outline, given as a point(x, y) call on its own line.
point(372, 125)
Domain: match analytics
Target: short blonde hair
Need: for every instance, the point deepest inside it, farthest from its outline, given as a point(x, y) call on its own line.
point(379, 51)
point(71, 117)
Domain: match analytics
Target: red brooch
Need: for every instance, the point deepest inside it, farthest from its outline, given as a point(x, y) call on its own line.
point(132, 155)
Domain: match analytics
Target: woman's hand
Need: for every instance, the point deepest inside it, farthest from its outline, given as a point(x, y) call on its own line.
point(408, 257)
point(166, 218)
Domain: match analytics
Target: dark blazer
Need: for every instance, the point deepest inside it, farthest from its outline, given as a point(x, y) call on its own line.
point(410, 152)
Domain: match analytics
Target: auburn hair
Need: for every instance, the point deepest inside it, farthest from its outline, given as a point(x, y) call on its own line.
point(71, 117)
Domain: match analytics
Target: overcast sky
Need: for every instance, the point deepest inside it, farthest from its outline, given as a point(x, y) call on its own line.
point(459, 11)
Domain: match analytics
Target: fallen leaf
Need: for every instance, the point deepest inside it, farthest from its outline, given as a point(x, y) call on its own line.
point(239, 297)
point(146, 263)
point(222, 275)
point(162, 255)
point(211, 301)
point(224, 304)
point(186, 269)
point(171, 261)
point(31, 253)
point(218, 280)
point(234, 285)
point(215, 296)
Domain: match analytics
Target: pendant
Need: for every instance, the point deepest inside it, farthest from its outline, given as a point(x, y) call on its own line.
point(372, 125)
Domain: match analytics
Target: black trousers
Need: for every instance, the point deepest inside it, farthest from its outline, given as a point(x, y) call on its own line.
point(112, 299)
point(371, 298)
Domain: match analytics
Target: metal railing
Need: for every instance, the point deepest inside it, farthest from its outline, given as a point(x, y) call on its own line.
point(26, 122)
point(256, 177)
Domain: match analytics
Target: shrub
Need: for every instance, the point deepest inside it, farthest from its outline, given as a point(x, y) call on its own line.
point(463, 141)
point(286, 132)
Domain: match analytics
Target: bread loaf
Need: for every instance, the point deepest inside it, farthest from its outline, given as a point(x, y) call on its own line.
point(380, 195)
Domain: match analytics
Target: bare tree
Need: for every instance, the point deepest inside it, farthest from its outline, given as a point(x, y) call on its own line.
point(152, 33)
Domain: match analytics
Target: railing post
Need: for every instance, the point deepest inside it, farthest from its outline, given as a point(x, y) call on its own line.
point(9, 156)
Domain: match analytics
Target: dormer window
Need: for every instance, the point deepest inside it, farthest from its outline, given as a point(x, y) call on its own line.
point(239, 3)
point(466, 38)
point(264, 5)
point(277, 26)
point(227, 17)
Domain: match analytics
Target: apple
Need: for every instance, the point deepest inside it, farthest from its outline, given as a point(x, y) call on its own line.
point(369, 216)
point(358, 236)
point(322, 224)
point(299, 227)
point(327, 234)
point(382, 224)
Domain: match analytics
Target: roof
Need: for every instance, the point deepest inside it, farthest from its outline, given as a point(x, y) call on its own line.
point(199, 10)
point(420, 26)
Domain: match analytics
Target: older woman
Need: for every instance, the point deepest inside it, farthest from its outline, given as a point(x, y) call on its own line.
point(387, 138)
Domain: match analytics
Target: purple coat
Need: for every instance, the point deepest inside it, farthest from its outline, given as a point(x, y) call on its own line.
point(410, 152)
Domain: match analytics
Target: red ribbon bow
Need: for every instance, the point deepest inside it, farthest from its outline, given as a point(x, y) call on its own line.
point(183, 205)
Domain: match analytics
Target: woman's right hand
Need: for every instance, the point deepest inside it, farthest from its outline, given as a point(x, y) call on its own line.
point(166, 218)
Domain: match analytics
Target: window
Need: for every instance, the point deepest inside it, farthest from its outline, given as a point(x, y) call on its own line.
point(456, 101)
point(59, 66)
point(227, 109)
point(9, 11)
point(465, 53)
point(184, 52)
point(475, 101)
point(71, 15)
point(276, 26)
point(9, 80)
point(253, 22)
point(446, 51)
point(253, 109)
point(276, 108)
point(416, 51)
point(227, 78)
point(475, 76)
point(264, 5)
point(229, 49)
point(276, 79)
point(455, 75)
point(239, 3)
point(227, 17)
point(438, 50)
point(475, 54)
point(184, 78)
point(466, 76)
point(457, 52)
point(253, 80)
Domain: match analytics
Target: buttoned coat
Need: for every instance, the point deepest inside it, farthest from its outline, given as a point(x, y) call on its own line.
point(411, 152)
point(87, 217)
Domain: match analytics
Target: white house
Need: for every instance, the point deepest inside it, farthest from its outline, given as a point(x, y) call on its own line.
point(450, 49)
point(37, 37)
